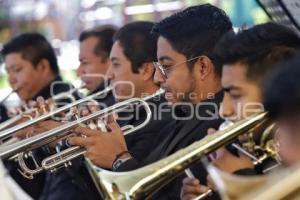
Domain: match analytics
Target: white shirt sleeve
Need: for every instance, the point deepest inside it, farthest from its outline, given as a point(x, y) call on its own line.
point(9, 189)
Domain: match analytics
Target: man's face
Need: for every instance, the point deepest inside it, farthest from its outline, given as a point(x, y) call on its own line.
point(180, 82)
point(23, 77)
point(127, 84)
point(288, 138)
point(242, 97)
point(92, 67)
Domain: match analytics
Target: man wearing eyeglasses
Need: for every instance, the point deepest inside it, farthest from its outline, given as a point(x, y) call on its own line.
point(187, 71)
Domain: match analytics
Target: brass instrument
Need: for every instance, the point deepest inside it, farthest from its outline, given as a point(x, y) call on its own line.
point(280, 184)
point(64, 157)
point(4, 134)
point(144, 182)
point(259, 153)
point(29, 113)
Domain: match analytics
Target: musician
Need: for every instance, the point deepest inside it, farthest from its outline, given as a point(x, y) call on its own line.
point(186, 40)
point(247, 58)
point(129, 65)
point(282, 101)
point(131, 57)
point(33, 71)
point(94, 50)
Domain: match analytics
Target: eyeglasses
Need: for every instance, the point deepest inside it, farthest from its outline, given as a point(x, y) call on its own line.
point(164, 69)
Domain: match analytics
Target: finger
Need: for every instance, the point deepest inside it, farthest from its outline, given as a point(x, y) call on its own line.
point(80, 141)
point(85, 112)
point(202, 189)
point(114, 127)
point(112, 117)
point(210, 182)
point(211, 131)
point(93, 106)
point(51, 104)
point(190, 181)
point(40, 101)
point(32, 104)
point(191, 189)
point(85, 131)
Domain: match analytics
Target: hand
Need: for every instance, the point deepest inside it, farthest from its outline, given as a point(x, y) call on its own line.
point(38, 129)
point(192, 188)
point(101, 147)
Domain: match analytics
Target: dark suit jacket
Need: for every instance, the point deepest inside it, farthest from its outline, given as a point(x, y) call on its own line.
point(34, 187)
point(3, 113)
point(176, 136)
point(76, 182)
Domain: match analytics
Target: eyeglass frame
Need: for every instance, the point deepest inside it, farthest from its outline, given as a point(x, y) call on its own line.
point(163, 70)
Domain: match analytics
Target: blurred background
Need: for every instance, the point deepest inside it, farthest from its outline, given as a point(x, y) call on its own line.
point(61, 21)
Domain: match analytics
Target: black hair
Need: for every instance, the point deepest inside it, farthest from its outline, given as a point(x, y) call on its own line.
point(258, 48)
point(139, 45)
point(282, 89)
point(33, 47)
point(195, 31)
point(104, 34)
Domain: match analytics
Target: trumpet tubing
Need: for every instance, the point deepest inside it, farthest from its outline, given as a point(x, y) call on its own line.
point(143, 182)
point(65, 156)
point(8, 132)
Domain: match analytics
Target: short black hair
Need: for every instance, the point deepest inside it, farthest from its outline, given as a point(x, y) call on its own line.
point(195, 30)
point(33, 47)
point(139, 45)
point(282, 89)
point(104, 34)
point(258, 48)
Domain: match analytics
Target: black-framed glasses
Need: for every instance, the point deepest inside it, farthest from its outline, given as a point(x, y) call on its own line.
point(164, 70)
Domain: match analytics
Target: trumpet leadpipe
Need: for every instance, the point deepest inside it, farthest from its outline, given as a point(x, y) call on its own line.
point(8, 132)
point(58, 132)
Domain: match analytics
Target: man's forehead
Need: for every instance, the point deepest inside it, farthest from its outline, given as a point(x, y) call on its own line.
point(233, 74)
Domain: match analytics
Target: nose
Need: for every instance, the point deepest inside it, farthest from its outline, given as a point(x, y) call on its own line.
point(227, 107)
point(79, 71)
point(12, 79)
point(109, 73)
point(158, 77)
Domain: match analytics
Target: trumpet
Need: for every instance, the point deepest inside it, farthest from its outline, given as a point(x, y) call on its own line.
point(63, 158)
point(4, 134)
point(28, 114)
point(144, 182)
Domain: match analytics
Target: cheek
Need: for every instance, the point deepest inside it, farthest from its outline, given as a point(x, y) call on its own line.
point(179, 81)
point(123, 91)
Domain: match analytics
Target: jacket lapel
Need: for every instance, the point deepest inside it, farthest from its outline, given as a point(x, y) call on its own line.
point(183, 133)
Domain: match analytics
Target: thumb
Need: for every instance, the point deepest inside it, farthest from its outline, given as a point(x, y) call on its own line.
point(211, 131)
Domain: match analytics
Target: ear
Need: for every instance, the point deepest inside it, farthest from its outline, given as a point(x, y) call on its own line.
point(147, 71)
point(204, 67)
point(44, 67)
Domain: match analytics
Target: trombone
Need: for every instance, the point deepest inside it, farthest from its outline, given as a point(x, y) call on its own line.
point(63, 158)
point(144, 182)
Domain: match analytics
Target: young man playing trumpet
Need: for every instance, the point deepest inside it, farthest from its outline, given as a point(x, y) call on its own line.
point(94, 49)
point(247, 58)
point(188, 72)
point(131, 73)
point(33, 71)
